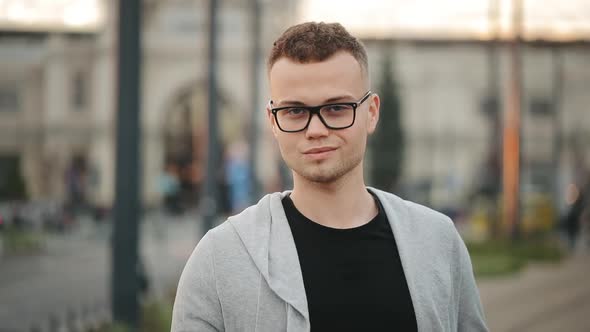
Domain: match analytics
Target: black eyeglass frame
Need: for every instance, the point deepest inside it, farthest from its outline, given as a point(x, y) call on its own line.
point(316, 110)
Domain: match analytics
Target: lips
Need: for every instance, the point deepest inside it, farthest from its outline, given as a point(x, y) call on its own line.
point(319, 150)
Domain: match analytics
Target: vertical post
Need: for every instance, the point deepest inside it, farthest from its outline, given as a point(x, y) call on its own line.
point(127, 187)
point(493, 109)
point(210, 202)
point(493, 79)
point(557, 123)
point(256, 17)
point(512, 130)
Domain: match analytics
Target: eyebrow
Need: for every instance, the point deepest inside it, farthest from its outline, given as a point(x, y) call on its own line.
point(342, 98)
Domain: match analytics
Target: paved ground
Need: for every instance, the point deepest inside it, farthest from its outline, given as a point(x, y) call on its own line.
point(543, 298)
point(72, 279)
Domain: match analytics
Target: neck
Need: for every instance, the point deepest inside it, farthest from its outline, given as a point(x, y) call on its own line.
point(344, 203)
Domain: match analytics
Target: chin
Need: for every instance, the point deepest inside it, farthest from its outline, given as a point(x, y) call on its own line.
point(321, 178)
point(322, 175)
point(324, 172)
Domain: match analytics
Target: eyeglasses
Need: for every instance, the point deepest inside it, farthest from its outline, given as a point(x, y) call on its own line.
point(292, 119)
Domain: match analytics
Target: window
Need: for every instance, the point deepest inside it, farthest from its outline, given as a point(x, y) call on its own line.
point(183, 19)
point(9, 98)
point(490, 106)
point(12, 184)
point(79, 91)
point(541, 107)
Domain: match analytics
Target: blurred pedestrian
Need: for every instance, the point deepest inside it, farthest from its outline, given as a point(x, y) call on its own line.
point(76, 179)
point(332, 254)
point(169, 189)
point(574, 216)
point(237, 173)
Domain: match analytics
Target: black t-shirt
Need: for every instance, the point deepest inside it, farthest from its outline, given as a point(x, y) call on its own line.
point(353, 278)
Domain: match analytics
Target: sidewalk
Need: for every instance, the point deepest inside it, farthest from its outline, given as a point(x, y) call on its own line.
point(72, 277)
point(544, 297)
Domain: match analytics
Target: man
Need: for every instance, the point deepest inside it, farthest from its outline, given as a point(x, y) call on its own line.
point(332, 254)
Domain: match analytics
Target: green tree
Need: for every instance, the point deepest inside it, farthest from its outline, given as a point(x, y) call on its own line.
point(12, 183)
point(387, 144)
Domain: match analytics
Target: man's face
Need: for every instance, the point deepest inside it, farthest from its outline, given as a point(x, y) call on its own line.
point(319, 154)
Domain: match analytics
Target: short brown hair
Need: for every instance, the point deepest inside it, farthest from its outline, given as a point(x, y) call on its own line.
point(315, 42)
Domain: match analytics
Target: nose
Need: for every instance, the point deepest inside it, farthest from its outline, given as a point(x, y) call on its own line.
point(316, 128)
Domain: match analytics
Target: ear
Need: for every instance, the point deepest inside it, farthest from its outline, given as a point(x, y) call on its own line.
point(373, 113)
point(271, 120)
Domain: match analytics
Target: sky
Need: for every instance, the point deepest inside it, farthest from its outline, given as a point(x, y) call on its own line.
point(542, 19)
point(69, 15)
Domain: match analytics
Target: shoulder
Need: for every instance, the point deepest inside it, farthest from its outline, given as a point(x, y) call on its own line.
point(429, 218)
point(246, 224)
point(247, 230)
point(248, 216)
point(430, 230)
point(417, 215)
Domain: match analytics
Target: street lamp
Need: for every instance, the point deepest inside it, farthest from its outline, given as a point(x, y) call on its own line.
point(210, 202)
point(256, 18)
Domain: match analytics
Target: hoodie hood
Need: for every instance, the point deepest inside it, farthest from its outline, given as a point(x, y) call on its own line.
point(266, 235)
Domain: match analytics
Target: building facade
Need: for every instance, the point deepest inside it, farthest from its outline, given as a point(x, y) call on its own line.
point(58, 95)
point(58, 103)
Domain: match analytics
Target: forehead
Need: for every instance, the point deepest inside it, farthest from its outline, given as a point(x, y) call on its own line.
point(341, 73)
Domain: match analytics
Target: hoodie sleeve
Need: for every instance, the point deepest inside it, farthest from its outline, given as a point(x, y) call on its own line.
point(197, 306)
point(470, 311)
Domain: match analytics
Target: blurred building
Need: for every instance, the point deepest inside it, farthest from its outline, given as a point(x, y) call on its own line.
point(449, 113)
point(58, 102)
point(453, 68)
point(58, 94)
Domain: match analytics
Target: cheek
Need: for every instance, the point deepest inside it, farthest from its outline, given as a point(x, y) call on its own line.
point(287, 145)
point(358, 141)
point(359, 134)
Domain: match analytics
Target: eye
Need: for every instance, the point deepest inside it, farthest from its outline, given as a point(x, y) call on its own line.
point(338, 108)
point(295, 111)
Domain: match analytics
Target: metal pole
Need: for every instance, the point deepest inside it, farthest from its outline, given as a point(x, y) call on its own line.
point(493, 79)
point(254, 103)
point(493, 109)
point(211, 193)
point(513, 130)
point(557, 123)
point(125, 284)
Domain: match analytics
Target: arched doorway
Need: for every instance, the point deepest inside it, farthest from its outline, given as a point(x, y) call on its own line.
point(185, 144)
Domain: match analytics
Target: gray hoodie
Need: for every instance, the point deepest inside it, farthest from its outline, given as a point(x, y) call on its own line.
point(244, 275)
